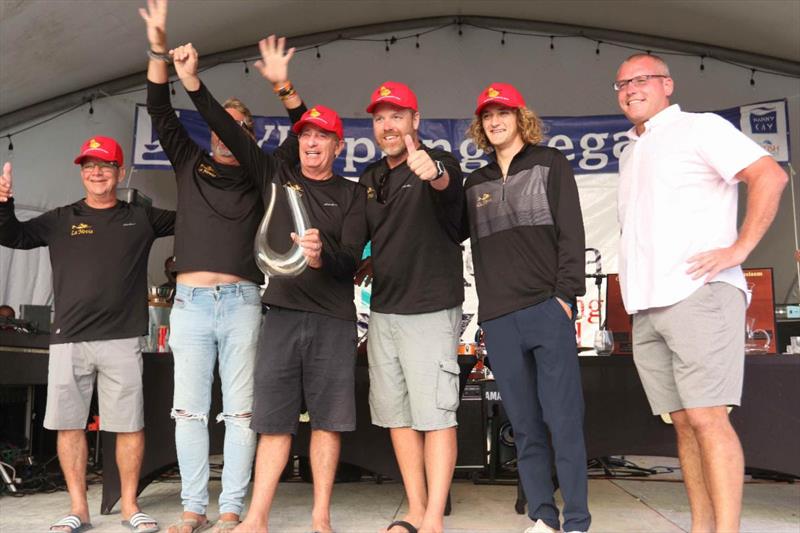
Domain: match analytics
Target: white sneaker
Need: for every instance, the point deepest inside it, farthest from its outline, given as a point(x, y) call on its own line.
point(541, 527)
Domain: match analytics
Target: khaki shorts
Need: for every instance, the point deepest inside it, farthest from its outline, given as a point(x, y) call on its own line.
point(691, 354)
point(71, 372)
point(413, 369)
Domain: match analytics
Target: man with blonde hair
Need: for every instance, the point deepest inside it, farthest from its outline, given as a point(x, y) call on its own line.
point(216, 314)
point(527, 240)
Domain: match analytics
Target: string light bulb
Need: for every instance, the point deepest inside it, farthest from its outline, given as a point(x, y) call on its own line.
point(702, 63)
point(91, 106)
point(318, 54)
point(597, 48)
point(246, 67)
point(10, 144)
point(503, 39)
point(417, 43)
point(752, 77)
point(552, 45)
point(172, 88)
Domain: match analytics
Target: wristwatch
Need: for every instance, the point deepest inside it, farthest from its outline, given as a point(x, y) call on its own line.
point(440, 170)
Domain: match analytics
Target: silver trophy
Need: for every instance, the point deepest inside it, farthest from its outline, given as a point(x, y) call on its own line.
point(293, 262)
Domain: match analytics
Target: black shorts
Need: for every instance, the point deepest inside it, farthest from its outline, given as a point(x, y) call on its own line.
point(304, 356)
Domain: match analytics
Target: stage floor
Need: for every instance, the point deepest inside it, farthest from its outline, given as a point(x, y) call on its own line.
point(655, 505)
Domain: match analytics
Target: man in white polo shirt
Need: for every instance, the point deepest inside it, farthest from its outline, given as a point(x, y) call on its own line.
point(680, 273)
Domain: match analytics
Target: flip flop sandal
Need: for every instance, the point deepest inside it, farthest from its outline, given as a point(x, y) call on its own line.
point(402, 523)
point(193, 523)
point(73, 522)
point(138, 519)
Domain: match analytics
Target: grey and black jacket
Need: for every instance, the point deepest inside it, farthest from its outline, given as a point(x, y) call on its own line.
point(526, 232)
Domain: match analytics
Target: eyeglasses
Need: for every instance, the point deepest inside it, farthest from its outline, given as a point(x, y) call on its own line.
point(382, 187)
point(637, 81)
point(102, 165)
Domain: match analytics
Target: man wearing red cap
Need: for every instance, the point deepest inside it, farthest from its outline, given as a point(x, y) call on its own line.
point(307, 347)
point(414, 207)
point(98, 249)
point(527, 241)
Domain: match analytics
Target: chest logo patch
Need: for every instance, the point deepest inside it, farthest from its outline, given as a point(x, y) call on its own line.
point(208, 170)
point(371, 193)
point(483, 199)
point(330, 204)
point(81, 229)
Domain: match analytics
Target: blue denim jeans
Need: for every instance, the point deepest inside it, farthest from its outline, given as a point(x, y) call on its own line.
point(206, 322)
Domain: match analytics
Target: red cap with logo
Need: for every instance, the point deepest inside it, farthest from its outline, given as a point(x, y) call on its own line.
point(503, 94)
point(395, 93)
point(322, 117)
point(104, 148)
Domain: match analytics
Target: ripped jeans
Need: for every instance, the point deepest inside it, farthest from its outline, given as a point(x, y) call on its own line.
point(208, 321)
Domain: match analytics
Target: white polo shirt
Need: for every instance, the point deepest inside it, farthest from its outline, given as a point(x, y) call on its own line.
point(677, 197)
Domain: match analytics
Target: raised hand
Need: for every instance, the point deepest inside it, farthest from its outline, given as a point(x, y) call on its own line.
point(155, 16)
point(419, 161)
point(5, 183)
point(311, 245)
point(185, 60)
point(274, 62)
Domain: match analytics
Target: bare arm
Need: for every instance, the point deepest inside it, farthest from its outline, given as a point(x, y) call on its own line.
point(765, 181)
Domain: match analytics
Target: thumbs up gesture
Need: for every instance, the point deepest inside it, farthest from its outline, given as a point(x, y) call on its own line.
point(419, 161)
point(5, 183)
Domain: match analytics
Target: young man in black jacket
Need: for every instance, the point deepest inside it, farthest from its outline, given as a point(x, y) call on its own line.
point(527, 241)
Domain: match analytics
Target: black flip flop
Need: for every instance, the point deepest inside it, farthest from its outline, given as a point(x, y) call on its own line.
point(402, 523)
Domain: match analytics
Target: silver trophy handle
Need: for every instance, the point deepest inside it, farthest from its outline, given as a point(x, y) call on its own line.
point(293, 262)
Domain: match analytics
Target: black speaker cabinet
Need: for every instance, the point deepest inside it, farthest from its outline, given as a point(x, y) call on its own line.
point(500, 434)
point(472, 446)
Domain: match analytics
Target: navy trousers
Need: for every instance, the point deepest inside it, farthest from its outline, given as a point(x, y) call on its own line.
point(535, 363)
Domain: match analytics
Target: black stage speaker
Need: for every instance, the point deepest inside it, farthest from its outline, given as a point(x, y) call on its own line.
point(472, 446)
point(500, 434)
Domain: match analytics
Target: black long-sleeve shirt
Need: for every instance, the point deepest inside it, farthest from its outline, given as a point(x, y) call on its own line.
point(416, 256)
point(526, 232)
point(99, 261)
point(219, 208)
point(335, 206)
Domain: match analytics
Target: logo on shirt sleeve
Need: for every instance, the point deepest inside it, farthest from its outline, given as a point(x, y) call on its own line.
point(81, 229)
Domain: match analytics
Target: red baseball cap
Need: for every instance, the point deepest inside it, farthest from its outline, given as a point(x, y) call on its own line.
point(395, 93)
point(104, 148)
point(502, 94)
point(322, 117)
